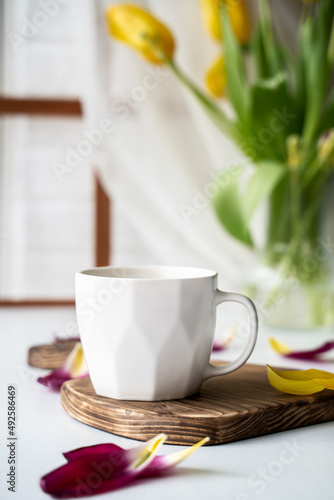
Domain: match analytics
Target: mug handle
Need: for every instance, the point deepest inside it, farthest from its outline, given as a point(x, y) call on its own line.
point(213, 371)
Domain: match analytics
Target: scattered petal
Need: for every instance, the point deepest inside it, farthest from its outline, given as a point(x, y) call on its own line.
point(105, 467)
point(163, 463)
point(300, 382)
point(158, 465)
point(221, 345)
point(279, 347)
point(218, 346)
point(311, 354)
point(74, 367)
point(94, 470)
point(95, 450)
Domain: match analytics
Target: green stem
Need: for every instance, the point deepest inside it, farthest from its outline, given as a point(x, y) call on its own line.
point(314, 168)
point(330, 51)
point(279, 221)
point(295, 198)
point(306, 11)
point(268, 36)
point(291, 256)
point(214, 112)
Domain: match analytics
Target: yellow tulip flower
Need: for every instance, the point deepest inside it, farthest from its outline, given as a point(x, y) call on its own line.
point(238, 15)
point(140, 30)
point(216, 79)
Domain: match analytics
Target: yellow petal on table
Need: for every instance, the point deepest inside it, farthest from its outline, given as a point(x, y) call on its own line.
point(177, 457)
point(216, 79)
point(300, 382)
point(238, 15)
point(75, 363)
point(279, 346)
point(140, 30)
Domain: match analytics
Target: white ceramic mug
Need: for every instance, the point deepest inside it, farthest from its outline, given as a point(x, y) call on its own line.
point(147, 331)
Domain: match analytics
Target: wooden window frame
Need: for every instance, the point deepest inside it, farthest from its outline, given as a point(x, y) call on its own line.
point(102, 217)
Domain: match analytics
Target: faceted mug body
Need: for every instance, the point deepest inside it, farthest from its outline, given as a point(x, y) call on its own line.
point(146, 337)
point(147, 331)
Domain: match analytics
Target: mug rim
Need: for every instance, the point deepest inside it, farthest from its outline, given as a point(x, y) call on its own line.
point(163, 272)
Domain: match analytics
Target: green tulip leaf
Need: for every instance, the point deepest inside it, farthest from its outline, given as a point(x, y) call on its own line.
point(237, 85)
point(327, 121)
point(235, 208)
point(315, 35)
point(273, 117)
point(228, 207)
point(257, 46)
point(266, 177)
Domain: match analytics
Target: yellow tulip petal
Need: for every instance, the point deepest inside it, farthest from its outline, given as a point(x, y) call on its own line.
point(279, 346)
point(140, 30)
point(75, 366)
point(216, 79)
point(210, 12)
point(300, 382)
point(75, 363)
point(179, 456)
point(238, 15)
point(146, 452)
point(239, 18)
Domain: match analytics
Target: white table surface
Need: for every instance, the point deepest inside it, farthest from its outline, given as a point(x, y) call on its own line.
point(250, 469)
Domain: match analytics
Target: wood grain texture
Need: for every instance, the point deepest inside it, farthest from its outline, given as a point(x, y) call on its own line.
point(229, 408)
point(50, 356)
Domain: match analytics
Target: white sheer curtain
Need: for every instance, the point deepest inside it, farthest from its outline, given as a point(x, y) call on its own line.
point(163, 151)
point(157, 159)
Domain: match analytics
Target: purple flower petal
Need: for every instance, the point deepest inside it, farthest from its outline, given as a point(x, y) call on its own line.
point(98, 469)
point(95, 450)
point(88, 475)
point(228, 337)
point(105, 467)
point(159, 465)
point(74, 367)
point(55, 379)
point(218, 346)
point(312, 353)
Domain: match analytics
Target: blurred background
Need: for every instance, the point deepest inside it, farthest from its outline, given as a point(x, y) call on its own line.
point(106, 159)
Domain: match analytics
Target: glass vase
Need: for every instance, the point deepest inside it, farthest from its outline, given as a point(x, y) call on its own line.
point(295, 296)
point(293, 285)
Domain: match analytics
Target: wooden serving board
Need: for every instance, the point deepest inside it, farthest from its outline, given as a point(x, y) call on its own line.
point(229, 408)
point(50, 356)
